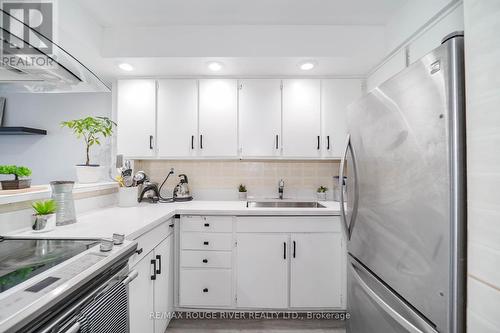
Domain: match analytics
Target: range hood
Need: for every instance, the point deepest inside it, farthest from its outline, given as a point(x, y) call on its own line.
point(39, 71)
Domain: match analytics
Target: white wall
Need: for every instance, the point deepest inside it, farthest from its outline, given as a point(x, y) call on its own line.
point(482, 52)
point(51, 157)
point(416, 30)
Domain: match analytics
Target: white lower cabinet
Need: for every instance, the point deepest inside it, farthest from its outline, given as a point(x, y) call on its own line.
point(262, 270)
point(206, 267)
point(315, 270)
point(151, 293)
point(141, 292)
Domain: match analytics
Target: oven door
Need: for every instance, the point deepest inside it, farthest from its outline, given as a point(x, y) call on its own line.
point(67, 321)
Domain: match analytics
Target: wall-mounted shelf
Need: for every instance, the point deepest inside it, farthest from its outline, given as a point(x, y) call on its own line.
point(21, 131)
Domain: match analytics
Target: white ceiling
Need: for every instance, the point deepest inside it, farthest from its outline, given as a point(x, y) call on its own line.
point(251, 38)
point(115, 13)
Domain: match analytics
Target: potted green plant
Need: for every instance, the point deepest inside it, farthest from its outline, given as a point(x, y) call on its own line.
point(321, 192)
point(91, 130)
point(20, 173)
point(242, 192)
point(44, 218)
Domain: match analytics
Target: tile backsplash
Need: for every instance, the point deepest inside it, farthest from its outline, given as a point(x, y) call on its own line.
point(219, 180)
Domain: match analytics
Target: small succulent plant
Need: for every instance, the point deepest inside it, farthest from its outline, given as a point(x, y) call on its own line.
point(242, 188)
point(322, 189)
point(44, 207)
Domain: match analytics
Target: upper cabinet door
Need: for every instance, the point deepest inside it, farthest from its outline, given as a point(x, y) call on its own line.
point(260, 118)
point(301, 118)
point(336, 95)
point(136, 109)
point(177, 118)
point(218, 118)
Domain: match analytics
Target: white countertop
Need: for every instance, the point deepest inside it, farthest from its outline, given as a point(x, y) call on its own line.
point(135, 221)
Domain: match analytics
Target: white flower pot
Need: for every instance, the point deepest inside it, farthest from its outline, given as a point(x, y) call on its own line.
point(127, 196)
point(242, 196)
point(44, 223)
point(321, 196)
point(88, 173)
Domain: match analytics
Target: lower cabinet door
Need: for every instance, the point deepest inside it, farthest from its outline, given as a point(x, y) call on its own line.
point(163, 256)
point(141, 292)
point(262, 270)
point(316, 270)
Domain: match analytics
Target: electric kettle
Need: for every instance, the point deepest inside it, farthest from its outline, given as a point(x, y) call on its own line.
point(181, 191)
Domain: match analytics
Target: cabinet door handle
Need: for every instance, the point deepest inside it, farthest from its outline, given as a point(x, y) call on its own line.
point(318, 141)
point(205, 290)
point(192, 142)
point(294, 248)
point(207, 225)
point(205, 261)
point(153, 276)
point(328, 142)
point(205, 243)
point(150, 142)
point(139, 251)
point(158, 270)
point(284, 250)
point(201, 141)
point(277, 141)
point(171, 225)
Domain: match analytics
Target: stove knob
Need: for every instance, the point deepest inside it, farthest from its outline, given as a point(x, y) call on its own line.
point(106, 244)
point(118, 239)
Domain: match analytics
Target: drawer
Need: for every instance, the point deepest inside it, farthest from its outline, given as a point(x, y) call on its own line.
point(148, 241)
point(209, 259)
point(206, 241)
point(207, 223)
point(205, 288)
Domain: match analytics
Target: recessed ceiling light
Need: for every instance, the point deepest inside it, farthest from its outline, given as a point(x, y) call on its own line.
point(214, 66)
point(307, 65)
point(126, 67)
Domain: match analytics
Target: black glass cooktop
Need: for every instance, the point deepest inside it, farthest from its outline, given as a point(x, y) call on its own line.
point(21, 259)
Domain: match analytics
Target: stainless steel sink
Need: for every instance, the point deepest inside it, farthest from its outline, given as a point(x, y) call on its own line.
point(284, 204)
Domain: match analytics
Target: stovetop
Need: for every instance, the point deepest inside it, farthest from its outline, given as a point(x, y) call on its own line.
point(22, 259)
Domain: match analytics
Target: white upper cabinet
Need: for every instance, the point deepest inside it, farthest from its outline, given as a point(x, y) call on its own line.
point(136, 105)
point(177, 118)
point(336, 95)
point(260, 118)
point(218, 118)
point(301, 118)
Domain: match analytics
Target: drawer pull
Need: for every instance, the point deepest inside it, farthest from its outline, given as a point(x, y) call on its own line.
point(205, 290)
point(205, 243)
point(205, 261)
point(207, 224)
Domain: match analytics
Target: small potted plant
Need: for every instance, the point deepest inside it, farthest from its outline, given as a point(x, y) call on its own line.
point(321, 192)
point(20, 173)
point(242, 192)
point(90, 129)
point(44, 218)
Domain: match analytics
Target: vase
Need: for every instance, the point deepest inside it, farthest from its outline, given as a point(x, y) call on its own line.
point(321, 196)
point(87, 174)
point(43, 223)
point(242, 196)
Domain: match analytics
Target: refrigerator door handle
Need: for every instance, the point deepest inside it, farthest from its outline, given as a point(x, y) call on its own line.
point(348, 227)
point(386, 307)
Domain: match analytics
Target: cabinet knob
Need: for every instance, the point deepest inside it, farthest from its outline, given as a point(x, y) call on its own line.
point(205, 243)
point(205, 290)
point(207, 224)
point(205, 261)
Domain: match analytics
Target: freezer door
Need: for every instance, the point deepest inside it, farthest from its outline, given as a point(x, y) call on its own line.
point(399, 147)
point(374, 308)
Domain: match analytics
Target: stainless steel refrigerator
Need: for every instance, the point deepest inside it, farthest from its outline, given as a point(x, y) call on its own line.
point(405, 208)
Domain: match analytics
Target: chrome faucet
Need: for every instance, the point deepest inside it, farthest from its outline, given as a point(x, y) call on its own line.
point(281, 187)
